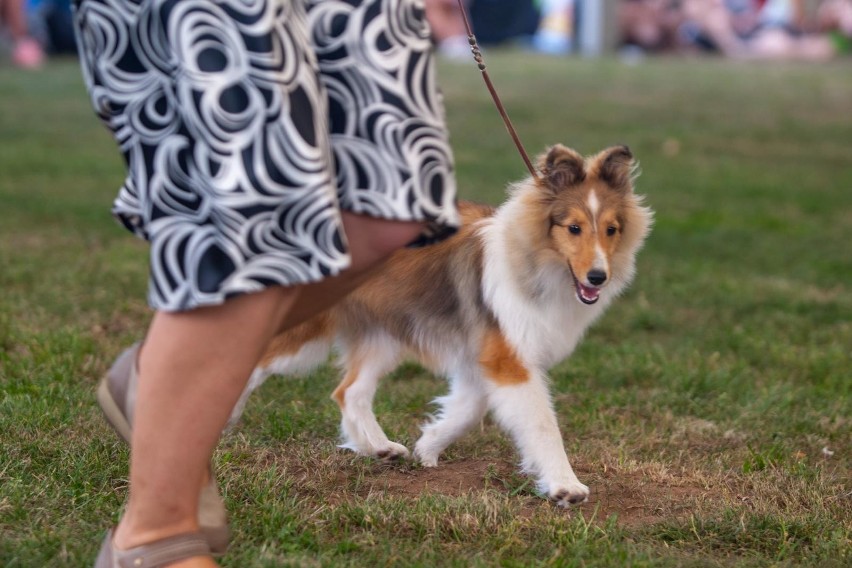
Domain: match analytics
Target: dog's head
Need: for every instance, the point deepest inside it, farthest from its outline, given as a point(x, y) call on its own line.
point(596, 222)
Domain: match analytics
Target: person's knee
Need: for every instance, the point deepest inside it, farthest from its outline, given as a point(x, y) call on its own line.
point(372, 240)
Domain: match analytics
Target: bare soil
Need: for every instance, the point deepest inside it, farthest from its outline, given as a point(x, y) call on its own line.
point(635, 498)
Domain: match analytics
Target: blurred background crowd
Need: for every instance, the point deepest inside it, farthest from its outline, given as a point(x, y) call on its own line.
point(762, 29)
point(811, 30)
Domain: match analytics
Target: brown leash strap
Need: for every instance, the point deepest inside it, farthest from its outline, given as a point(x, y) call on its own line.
point(477, 55)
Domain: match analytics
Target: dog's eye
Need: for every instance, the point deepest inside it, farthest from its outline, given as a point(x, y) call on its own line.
point(611, 230)
point(574, 229)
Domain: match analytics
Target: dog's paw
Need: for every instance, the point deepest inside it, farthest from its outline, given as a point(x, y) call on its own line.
point(425, 457)
point(567, 494)
point(391, 452)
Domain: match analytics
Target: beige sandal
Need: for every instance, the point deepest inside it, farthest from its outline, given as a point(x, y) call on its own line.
point(153, 555)
point(117, 397)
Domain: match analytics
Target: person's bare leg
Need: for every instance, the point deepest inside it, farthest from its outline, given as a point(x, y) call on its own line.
point(27, 52)
point(12, 16)
point(715, 21)
point(192, 369)
point(187, 388)
point(447, 26)
point(445, 19)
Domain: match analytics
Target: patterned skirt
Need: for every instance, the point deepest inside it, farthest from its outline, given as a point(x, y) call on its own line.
point(247, 125)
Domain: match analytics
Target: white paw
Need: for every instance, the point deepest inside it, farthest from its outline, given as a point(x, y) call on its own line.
point(427, 461)
point(391, 452)
point(567, 494)
point(425, 455)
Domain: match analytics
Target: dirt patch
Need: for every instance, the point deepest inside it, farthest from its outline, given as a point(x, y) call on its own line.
point(635, 498)
point(453, 478)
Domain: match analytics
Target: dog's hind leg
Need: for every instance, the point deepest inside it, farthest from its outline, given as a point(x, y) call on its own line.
point(460, 410)
point(289, 354)
point(365, 364)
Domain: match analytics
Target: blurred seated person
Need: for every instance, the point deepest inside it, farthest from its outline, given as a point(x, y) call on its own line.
point(835, 15)
point(835, 18)
point(26, 51)
point(651, 25)
point(448, 30)
point(751, 29)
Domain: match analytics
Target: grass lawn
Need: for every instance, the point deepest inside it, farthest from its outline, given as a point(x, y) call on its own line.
point(710, 410)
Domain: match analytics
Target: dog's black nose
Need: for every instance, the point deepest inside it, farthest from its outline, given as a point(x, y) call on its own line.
point(596, 277)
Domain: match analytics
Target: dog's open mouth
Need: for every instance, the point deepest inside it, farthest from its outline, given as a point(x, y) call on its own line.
point(586, 294)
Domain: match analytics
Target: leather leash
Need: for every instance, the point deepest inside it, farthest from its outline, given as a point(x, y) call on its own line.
point(480, 62)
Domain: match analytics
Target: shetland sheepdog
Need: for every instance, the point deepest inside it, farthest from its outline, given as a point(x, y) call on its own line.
point(491, 309)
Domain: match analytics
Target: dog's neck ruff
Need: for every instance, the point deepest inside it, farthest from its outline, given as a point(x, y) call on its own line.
point(534, 302)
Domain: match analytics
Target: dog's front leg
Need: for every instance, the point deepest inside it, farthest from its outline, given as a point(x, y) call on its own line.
point(522, 406)
point(461, 409)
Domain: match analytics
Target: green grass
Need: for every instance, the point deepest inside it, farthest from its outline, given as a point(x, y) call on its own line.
point(697, 409)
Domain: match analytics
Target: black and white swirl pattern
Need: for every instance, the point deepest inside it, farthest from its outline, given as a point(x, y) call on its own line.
point(247, 124)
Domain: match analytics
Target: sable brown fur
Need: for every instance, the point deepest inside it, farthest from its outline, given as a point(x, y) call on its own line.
point(434, 291)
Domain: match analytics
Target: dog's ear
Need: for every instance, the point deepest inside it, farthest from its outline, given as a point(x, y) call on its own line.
point(561, 168)
point(616, 167)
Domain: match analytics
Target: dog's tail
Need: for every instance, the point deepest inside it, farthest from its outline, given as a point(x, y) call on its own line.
point(292, 353)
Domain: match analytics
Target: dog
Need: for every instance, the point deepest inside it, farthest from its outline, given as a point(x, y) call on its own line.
point(491, 308)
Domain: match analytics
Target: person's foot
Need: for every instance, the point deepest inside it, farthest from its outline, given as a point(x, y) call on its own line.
point(28, 54)
point(189, 550)
point(117, 399)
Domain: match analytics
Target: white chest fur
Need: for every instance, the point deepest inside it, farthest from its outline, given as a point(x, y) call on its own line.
point(546, 325)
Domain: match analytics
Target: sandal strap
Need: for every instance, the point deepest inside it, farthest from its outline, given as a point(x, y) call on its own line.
point(158, 553)
point(116, 392)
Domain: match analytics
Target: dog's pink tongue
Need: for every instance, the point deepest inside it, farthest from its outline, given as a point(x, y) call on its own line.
point(590, 294)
